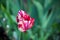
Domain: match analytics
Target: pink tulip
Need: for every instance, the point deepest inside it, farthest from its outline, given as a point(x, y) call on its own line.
point(24, 21)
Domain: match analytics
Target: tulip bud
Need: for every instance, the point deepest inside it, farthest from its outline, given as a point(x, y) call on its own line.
point(24, 21)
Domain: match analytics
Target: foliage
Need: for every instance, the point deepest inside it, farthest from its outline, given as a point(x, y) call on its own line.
point(45, 12)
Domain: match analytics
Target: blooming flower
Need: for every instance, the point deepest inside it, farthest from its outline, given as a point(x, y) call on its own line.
point(24, 21)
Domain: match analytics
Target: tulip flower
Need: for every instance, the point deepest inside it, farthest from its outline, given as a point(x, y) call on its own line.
point(24, 21)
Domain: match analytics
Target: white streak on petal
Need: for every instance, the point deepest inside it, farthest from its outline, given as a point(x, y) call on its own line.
point(23, 12)
point(21, 30)
point(29, 22)
point(19, 17)
point(20, 22)
point(19, 11)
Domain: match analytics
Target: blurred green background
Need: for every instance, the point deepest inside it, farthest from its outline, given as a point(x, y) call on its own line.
point(45, 12)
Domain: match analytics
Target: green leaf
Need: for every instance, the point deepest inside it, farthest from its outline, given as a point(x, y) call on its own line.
point(39, 9)
point(13, 18)
point(14, 6)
